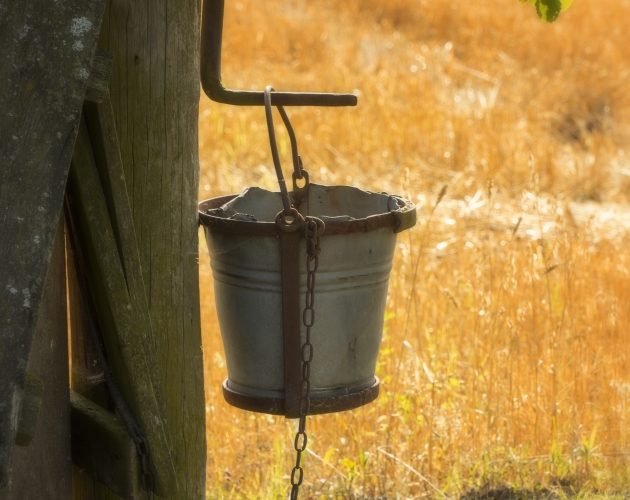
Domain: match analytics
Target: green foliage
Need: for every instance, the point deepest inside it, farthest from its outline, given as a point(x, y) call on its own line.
point(549, 10)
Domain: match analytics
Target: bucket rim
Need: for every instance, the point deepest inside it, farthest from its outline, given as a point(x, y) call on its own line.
point(402, 217)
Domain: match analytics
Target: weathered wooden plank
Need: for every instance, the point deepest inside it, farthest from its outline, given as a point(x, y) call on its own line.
point(47, 49)
point(102, 447)
point(121, 314)
point(101, 474)
point(101, 126)
point(41, 466)
point(100, 74)
point(155, 95)
point(86, 373)
point(31, 407)
point(87, 378)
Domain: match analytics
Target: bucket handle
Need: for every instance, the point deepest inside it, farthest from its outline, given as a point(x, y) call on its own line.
point(298, 170)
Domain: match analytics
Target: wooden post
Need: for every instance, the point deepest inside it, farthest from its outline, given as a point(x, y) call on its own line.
point(155, 94)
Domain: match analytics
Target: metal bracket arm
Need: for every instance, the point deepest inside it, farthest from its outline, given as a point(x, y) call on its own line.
point(211, 37)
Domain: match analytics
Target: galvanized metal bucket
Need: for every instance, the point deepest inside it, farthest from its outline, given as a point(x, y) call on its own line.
point(357, 248)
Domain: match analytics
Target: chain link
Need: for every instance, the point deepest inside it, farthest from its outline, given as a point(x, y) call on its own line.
point(314, 227)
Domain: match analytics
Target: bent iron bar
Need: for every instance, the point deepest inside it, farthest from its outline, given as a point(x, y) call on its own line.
point(211, 38)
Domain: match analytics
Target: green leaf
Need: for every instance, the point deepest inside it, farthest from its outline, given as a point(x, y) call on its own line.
point(549, 10)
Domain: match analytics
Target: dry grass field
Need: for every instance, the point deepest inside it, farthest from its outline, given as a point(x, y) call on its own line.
point(505, 363)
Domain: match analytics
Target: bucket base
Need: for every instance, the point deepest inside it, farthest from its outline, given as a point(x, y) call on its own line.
point(330, 401)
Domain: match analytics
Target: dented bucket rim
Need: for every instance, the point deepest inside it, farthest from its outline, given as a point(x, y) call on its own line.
point(401, 218)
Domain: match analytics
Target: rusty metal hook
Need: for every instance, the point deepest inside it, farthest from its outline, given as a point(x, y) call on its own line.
point(211, 38)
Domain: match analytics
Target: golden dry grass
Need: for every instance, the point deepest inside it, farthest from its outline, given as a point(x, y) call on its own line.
point(506, 358)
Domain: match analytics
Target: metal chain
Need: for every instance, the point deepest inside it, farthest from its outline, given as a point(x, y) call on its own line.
point(313, 228)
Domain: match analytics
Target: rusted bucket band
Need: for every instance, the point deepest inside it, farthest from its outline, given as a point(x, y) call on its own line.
point(329, 401)
point(400, 216)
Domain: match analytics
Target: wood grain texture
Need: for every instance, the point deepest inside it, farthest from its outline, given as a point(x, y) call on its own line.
point(155, 94)
point(119, 304)
point(42, 469)
point(102, 446)
point(86, 378)
point(47, 49)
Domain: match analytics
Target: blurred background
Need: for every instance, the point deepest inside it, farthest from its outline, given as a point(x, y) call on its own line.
point(505, 363)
